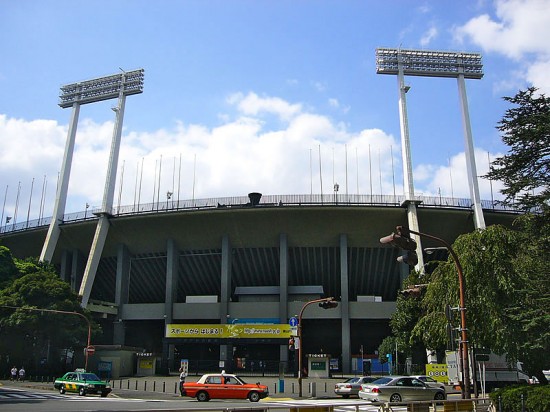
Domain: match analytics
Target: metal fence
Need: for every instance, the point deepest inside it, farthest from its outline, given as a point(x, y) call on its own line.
point(341, 200)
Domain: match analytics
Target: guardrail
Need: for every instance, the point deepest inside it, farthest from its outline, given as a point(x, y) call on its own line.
point(341, 200)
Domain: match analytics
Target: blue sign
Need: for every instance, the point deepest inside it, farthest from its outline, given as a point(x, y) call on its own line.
point(293, 321)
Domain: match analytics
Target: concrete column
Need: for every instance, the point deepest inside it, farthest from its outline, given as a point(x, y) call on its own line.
point(344, 286)
point(283, 290)
point(226, 351)
point(54, 231)
point(479, 219)
point(172, 257)
point(77, 269)
point(172, 260)
point(64, 272)
point(122, 287)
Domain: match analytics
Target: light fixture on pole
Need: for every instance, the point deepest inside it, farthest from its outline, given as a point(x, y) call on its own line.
point(401, 239)
point(325, 303)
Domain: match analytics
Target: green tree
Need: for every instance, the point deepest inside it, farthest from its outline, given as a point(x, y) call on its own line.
point(524, 170)
point(408, 311)
point(30, 335)
point(501, 312)
point(8, 269)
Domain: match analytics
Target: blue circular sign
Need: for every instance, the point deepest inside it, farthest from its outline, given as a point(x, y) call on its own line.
point(293, 321)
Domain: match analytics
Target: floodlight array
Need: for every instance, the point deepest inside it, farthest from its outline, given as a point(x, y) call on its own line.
point(102, 88)
point(429, 63)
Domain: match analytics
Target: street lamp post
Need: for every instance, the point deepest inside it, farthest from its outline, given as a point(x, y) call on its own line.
point(325, 303)
point(402, 239)
point(66, 313)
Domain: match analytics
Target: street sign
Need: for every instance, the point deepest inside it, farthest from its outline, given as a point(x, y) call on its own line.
point(90, 349)
point(293, 321)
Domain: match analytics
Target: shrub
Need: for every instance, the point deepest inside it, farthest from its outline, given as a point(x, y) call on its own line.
point(536, 398)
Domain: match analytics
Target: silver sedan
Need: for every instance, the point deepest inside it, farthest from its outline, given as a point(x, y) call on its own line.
point(352, 386)
point(399, 389)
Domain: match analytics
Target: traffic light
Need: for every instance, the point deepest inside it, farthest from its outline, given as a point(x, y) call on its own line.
point(328, 304)
point(409, 258)
point(414, 291)
point(402, 239)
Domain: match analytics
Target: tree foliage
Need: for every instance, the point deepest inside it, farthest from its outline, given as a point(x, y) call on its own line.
point(8, 269)
point(525, 169)
point(507, 296)
point(30, 335)
point(507, 280)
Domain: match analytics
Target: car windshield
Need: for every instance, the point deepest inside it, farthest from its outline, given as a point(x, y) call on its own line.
point(382, 381)
point(89, 377)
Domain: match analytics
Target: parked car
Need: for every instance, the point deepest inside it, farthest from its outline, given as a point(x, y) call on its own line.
point(352, 386)
point(428, 380)
point(399, 389)
point(82, 383)
point(224, 386)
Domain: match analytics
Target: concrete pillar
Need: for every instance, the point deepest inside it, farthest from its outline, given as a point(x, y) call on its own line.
point(283, 290)
point(172, 264)
point(122, 286)
point(226, 351)
point(344, 286)
point(64, 272)
point(77, 268)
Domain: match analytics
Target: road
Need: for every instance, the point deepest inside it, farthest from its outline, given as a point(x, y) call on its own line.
point(30, 400)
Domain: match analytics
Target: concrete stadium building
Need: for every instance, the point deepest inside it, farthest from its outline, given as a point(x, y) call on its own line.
point(247, 260)
point(190, 279)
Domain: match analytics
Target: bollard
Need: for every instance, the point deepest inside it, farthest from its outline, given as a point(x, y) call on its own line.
point(163, 387)
point(145, 386)
point(499, 404)
point(136, 384)
point(120, 384)
point(154, 386)
point(175, 387)
point(293, 388)
point(128, 384)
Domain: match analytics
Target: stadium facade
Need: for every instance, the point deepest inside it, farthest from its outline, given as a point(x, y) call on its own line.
point(246, 260)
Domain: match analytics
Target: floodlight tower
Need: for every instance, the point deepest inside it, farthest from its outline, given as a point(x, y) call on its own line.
point(434, 64)
point(73, 95)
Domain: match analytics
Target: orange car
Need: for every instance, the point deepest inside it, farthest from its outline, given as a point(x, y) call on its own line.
point(224, 386)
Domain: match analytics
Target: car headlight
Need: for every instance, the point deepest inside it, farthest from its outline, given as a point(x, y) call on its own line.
point(91, 386)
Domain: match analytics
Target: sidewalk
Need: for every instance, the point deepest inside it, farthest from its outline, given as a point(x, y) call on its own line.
point(167, 386)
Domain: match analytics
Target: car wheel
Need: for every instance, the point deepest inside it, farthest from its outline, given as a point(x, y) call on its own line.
point(202, 396)
point(104, 394)
point(82, 391)
point(62, 389)
point(439, 396)
point(253, 396)
point(395, 398)
point(345, 396)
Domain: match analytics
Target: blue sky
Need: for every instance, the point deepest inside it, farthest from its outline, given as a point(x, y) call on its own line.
point(246, 92)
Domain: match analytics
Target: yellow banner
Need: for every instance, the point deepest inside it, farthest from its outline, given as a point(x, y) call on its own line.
point(236, 331)
point(437, 371)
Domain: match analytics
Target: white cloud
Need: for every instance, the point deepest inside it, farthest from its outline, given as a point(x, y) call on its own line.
point(235, 158)
point(427, 37)
point(452, 180)
point(520, 31)
point(252, 104)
